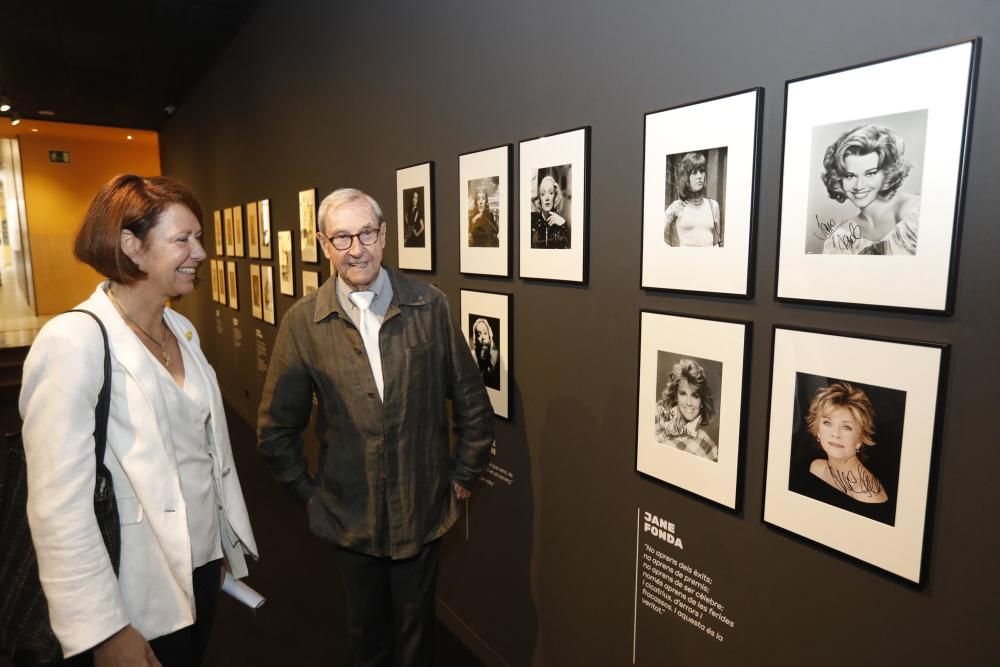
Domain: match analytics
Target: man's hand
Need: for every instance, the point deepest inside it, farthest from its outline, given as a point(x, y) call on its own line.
point(125, 648)
point(461, 492)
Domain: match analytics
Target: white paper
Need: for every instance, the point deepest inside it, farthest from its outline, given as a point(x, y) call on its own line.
point(241, 592)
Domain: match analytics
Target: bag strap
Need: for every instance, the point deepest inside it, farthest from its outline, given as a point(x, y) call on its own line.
point(104, 398)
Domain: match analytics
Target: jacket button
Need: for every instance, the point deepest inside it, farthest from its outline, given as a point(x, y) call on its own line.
point(357, 350)
point(371, 394)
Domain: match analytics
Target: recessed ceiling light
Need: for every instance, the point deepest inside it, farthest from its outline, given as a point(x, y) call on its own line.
point(15, 120)
point(46, 112)
point(34, 129)
point(129, 137)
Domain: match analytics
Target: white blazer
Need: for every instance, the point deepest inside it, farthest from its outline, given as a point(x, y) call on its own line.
point(63, 374)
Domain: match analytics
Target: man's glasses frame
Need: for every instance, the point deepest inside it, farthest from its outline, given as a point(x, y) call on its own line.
point(365, 237)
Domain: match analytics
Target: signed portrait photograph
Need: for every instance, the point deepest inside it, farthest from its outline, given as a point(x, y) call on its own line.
point(486, 325)
point(484, 341)
point(551, 210)
point(687, 411)
point(851, 443)
point(864, 192)
point(846, 439)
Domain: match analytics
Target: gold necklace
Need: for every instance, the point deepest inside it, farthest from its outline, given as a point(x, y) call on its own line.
point(167, 358)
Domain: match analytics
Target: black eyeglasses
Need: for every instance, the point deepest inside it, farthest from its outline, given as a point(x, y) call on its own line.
point(345, 241)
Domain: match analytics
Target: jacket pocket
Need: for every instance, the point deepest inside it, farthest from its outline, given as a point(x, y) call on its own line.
point(129, 511)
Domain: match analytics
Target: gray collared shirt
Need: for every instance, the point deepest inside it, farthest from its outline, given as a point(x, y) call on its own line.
point(383, 483)
point(382, 288)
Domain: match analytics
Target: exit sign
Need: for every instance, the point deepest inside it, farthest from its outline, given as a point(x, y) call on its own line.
point(59, 157)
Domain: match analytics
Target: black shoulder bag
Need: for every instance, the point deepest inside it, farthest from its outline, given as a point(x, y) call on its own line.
point(25, 632)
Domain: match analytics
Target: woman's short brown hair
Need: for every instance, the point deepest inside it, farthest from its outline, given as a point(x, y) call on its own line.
point(126, 202)
point(843, 395)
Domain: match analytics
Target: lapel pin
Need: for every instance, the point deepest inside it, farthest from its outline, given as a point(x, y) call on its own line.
point(187, 334)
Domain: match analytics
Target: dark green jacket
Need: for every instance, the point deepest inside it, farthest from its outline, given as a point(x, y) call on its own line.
point(383, 485)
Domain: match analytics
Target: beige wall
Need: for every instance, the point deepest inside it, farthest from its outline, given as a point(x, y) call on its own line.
point(57, 195)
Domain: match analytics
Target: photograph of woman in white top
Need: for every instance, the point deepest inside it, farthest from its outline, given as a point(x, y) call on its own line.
point(693, 219)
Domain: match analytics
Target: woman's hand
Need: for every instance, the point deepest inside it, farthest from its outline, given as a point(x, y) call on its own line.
point(125, 648)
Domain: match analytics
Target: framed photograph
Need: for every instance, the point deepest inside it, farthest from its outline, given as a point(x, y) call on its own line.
point(257, 306)
point(699, 195)
point(307, 224)
point(264, 222)
point(217, 219)
point(230, 234)
point(484, 212)
point(287, 283)
point(220, 272)
point(415, 209)
point(267, 292)
point(253, 231)
point(310, 282)
point(215, 280)
point(553, 207)
point(873, 180)
point(234, 296)
point(238, 231)
point(486, 325)
point(852, 430)
point(691, 403)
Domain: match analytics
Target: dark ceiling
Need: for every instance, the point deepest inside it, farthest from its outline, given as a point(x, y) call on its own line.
point(122, 63)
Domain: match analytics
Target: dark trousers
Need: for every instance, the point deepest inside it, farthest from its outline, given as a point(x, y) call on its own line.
point(390, 607)
point(184, 647)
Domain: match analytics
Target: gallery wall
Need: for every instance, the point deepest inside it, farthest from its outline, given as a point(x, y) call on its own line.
point(543, 568)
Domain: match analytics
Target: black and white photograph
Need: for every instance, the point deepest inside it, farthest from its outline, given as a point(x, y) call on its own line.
point(553, 206)
point(699, 195)
point(484, 211)
point(256, 296)
point(264, 221)
point(310, 282)
point(846, 439)
point(864, 196)
point(691, 403)
point(238, 248)
point(484, 341)
point(285, 263)
point(686, 406)
point(253, 231)
point(307, 225)
point(234, 293)
point(217, 220)
point(415, 224)
point(229, 233)
point(871, 185)
point(695, 199)
point(850, 443)
point(215, 279)
point(267, 292)
point(220, 272)
point(486, 325)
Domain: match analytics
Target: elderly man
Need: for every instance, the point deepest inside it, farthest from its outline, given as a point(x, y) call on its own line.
point(383, 355)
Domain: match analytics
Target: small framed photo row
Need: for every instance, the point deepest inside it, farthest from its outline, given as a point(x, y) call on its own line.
point(691, 403)
point(415, 208)
point(219, 245)
point(310, 282)
point(264, 221)
point(253, 231)
point(256, 295)
point(853, 424)
point(267, 292)
point(229, 232)
point(700, 174)
point(238, 248)
point(553, 206)
point(220, 279)
point(484, 212)
point(872, 185)
point(486, 325)
point(285, 263)
point(307, 225)
point(234, 294)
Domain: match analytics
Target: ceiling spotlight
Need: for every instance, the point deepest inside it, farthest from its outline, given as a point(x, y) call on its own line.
point(15, 120)
point(129, 137)
point(34, 129)
point(4, 104)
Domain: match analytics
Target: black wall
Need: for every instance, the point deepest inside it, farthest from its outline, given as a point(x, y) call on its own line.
point(323, 94)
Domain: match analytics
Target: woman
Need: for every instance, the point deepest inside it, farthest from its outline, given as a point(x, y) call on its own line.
point(694, 219)
point(482, 226)
point(179, 500)
point(413, 222)
point(866, 166)
point(549, 229)
point(685, 409)
point(842, 420)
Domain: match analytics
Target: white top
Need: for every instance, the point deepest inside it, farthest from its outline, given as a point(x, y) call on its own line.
point(190, 425)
